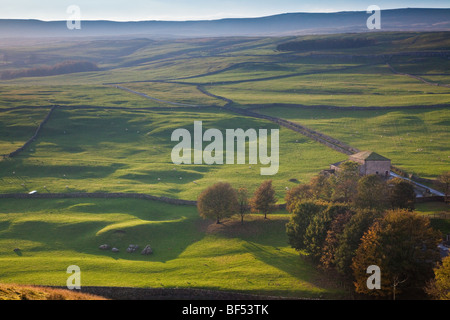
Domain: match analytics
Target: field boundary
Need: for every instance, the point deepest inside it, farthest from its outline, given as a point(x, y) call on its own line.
point(417, 77)
point(312, 134)
point(33, 138)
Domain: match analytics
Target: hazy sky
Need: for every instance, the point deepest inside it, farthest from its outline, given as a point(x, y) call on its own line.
point(133, 10)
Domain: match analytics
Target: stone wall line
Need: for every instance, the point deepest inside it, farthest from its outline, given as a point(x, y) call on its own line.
point(39, 128)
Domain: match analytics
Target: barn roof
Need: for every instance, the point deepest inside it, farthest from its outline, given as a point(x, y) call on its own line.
point(369, 155)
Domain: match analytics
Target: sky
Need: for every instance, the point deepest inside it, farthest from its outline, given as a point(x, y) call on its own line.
point(177, 10)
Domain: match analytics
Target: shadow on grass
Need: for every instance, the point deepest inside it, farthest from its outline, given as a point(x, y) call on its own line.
point(169, 230)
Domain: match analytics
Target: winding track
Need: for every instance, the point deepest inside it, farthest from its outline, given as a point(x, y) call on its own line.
point(313, 134)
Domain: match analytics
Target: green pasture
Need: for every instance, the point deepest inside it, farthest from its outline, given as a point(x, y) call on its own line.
point(123, 151)
point(416, 140)
point(17, 126)
point(174, 92)
point(188, 252)
point(342, 89)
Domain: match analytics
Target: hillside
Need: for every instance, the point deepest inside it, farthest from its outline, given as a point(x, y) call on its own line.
point(278, 25)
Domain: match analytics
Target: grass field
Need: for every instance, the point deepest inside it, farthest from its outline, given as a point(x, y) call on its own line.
point(188, 252)
point(416, 140)
point(104, 139)
point(120, 151)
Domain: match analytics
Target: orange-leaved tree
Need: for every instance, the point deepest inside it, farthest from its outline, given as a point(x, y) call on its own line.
point(218, 201)
point(404, 246)
point(264, 200)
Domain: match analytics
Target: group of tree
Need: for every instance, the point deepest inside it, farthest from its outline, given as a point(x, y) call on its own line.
point(346, 223)
point(221, 201)
point(347, 186)
point(60, 68)
point(345, 241)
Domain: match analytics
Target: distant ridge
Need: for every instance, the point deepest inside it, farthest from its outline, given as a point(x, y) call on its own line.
point(278, 25)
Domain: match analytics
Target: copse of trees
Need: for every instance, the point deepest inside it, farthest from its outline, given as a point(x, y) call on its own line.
point(346, 223)
point(347, 186)
point(42, 71)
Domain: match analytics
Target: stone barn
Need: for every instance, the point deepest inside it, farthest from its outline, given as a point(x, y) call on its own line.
point(370, 163)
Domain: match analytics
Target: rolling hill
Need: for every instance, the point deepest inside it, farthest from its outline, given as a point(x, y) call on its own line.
point(278, 25)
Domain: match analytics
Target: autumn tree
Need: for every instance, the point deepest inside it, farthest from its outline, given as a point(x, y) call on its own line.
point(439, 287)
point(264, 200)
point(331, 243)
point(404, 246)
point(217, 202)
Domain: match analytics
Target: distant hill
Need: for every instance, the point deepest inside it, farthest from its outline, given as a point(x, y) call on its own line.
point(277, 25)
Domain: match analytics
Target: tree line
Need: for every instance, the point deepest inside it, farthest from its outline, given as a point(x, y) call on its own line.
point(345, 223)
point(221, 201)
point(60, 68)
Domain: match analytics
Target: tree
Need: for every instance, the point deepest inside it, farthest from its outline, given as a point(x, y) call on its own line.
point(346, 181)
point(302, 212)
point(321, 187)
point(316, 232)
point(371, 192)
point(217, 202)
point(264, 200)
point(350, 239)
point(401, 194)
point(298, 193)
point(242, 195)
point(439, 287)
point(404, 246)
point(331, 243)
